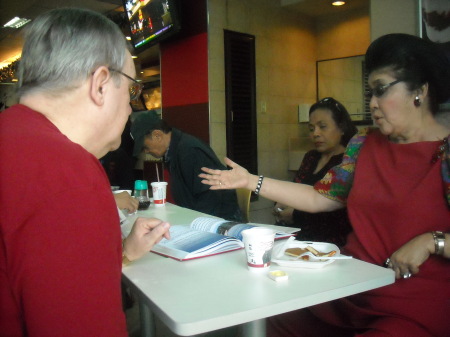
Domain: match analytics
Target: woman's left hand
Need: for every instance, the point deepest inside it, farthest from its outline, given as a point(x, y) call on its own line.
point(407, 260)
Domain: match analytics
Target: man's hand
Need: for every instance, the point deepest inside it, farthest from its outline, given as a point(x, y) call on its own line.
point(125, 201)
point(146, 232)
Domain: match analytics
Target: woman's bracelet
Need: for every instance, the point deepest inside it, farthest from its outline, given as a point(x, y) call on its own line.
point(259, 184)
point(439, 242)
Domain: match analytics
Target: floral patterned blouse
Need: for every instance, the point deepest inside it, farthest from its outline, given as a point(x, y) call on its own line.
point(337, 183)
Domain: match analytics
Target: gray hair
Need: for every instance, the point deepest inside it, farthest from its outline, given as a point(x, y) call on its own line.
point(64, 46)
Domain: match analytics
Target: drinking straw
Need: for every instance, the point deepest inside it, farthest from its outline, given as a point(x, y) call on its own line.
point(157, 171)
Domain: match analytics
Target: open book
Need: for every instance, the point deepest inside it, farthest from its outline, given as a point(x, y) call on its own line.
point(204, 237)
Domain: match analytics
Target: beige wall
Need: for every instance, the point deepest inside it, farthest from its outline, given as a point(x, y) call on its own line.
point(399, 16)
point(343, 79)
point(338, 37)
point(285, 74)
point(342, 36)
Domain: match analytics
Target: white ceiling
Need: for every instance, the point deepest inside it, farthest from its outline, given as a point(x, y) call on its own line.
point(11, 41)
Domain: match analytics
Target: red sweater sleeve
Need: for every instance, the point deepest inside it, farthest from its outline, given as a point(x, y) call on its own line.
point(68, 267)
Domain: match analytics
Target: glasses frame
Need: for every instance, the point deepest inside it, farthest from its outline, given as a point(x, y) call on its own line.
point(135, 89)
point(380, 90)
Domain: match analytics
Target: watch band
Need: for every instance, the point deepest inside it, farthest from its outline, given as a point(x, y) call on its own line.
point(439, 242)
point(259, 184)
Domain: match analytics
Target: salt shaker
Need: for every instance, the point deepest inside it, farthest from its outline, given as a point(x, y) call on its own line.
point(141, 194)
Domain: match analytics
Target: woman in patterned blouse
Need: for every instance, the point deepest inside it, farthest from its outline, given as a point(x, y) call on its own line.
point(330, 129)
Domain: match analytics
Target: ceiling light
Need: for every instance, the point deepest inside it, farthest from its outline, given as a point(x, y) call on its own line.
point(16, 22)
point(338, 3)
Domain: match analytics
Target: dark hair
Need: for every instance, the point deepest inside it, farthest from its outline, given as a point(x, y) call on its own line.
point(340, 116)
point(160, 124)
point(415, 61)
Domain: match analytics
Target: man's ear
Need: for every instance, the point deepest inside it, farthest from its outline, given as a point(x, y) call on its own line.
point(99, 81)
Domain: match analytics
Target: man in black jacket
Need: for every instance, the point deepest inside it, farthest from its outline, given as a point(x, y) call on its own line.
point(184, 155)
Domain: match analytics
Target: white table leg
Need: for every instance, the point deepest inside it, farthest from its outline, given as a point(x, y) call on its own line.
point(147, 320)
point(254, 329)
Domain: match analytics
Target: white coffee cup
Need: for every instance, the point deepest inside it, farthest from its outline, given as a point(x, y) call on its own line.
point(159, 193)
point(258, 243)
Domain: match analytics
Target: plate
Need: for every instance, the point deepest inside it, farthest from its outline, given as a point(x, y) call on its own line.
point(313, 263)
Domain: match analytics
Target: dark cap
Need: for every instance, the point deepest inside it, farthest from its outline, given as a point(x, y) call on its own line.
point(141, 126)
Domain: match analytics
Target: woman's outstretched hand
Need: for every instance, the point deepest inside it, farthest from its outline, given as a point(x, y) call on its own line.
point(236, 177)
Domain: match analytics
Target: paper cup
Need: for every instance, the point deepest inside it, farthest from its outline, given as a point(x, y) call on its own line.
point(258, 248)
point(159, 193)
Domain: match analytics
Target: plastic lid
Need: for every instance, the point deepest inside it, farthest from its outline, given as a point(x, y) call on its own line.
point(140, 185)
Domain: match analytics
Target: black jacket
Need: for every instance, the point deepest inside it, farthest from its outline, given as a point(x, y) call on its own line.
point(185, 157)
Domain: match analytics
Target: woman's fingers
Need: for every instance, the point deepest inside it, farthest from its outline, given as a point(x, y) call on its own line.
point(207, 170)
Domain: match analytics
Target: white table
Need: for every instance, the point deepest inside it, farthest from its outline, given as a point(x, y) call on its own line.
point(216, 292)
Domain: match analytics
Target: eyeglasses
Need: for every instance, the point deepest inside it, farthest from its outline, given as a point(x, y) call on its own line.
point(331, 102)
point(380, 90)
point(135, 89)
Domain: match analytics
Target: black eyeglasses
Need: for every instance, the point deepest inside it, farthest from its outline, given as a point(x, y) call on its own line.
point(135, 89)
point(380, 90)
point(331, 102)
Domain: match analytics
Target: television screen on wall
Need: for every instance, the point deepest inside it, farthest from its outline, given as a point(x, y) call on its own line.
point(151, 21)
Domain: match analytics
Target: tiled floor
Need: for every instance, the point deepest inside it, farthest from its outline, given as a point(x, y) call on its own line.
point(260, 212)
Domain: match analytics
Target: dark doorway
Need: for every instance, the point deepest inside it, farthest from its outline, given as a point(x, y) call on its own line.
point(240, 97)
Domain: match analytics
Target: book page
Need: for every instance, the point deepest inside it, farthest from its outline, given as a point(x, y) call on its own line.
point(187, 243)
point(188, 240)
point(234, 229)
point(231, 228)
point(207, 224)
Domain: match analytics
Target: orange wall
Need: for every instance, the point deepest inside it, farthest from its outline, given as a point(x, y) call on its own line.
point(343, 36)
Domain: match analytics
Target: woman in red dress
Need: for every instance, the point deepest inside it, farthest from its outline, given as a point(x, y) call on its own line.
point(395, 182)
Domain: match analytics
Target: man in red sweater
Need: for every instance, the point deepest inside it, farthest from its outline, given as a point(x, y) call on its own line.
point(60, 242)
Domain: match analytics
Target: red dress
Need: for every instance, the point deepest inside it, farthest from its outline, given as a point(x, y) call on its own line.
point(397, 194)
